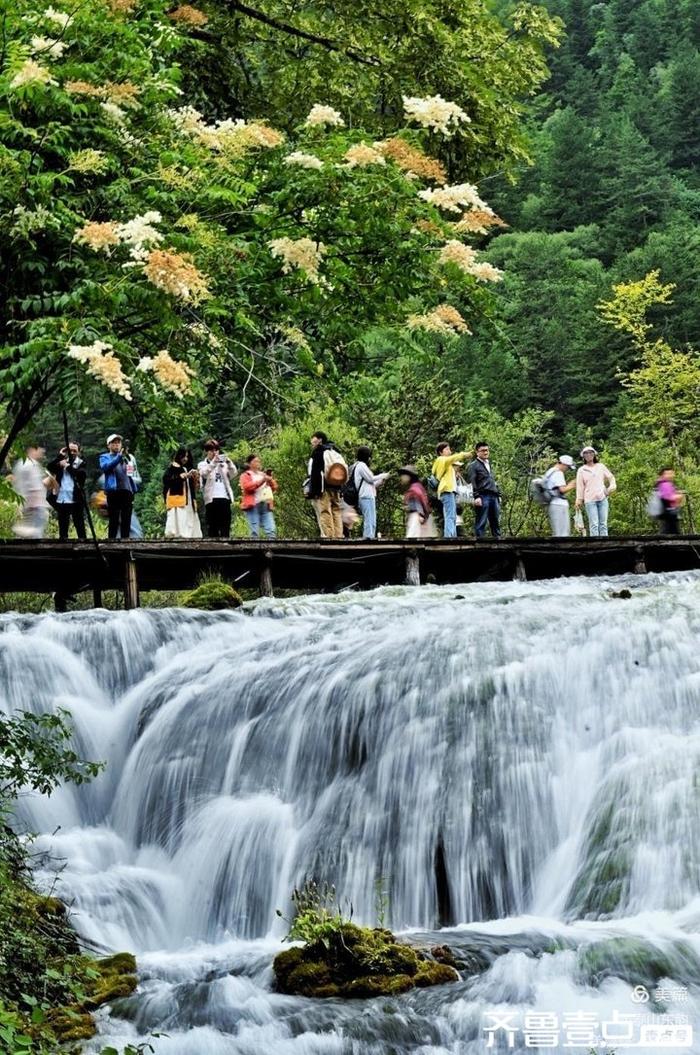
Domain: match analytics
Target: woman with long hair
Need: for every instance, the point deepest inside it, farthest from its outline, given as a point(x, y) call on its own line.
point(180, 483)
point(367, 483)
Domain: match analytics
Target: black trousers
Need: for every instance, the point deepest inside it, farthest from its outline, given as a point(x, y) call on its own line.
point(670, 522)
point(64, 512)
point(119, 505)
point(218, 517)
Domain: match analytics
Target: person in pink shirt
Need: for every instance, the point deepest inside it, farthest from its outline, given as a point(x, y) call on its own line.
point(672, 500)
point(594, 482)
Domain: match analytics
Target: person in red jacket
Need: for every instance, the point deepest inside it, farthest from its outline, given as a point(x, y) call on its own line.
point(257, 490)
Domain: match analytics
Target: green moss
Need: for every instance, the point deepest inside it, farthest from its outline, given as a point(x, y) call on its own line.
point(636, 961)
point(307, 978)
point(431, 973)
point(285, 962)
point(357, 962)
point(119, 963)
point(106, 980)
point(378, 985)
point(69, 1024)
point(213, 596)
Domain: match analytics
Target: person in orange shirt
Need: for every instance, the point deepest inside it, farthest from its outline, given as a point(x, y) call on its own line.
point(257, 489)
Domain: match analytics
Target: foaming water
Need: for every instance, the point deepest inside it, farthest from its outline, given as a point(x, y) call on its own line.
point(515, 763)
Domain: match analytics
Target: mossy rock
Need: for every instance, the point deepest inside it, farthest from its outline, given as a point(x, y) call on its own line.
point(307, 978)
point(636, 961)
point(70, 1024)
point(431, 973)
point(119, 963)
point(285, 962)
point(108, 979)
point(50, 906)
point(213, 597)
point(357, 962)
point(379, 985)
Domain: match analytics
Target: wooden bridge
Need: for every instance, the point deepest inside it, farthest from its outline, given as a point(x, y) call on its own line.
point(67, 568)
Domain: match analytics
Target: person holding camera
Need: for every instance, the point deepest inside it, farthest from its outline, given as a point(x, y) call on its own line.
point(120, 486)
point(216, 473)
point(180, 483)
point(258, 486)
point(68, 470)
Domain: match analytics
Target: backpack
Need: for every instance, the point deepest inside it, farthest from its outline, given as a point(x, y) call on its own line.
point(655, 505)
point(351, 492)
point(431, 484)
point(541, 493)
point(335, 468)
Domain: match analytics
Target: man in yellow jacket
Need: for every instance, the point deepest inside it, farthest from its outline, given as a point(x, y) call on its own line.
point(444, 471)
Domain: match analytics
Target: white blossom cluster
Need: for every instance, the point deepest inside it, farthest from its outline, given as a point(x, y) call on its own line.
point(113, 113)
point(453, 198)
point(203, 333)
point(48, 47)
point(59, 18)
point(444, 320)
point(301, 253)
point(361, 155)
point(31, 72)
point(140, 235)
point(225, 135)
point(306, 161)
point(27, 221)
point(102, 364)
point(173, 375)
point(436, 113)
point(88, 161)
point(323, 117)
point(464, 257)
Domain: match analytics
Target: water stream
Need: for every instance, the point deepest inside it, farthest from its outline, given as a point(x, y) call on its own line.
point(516, 765)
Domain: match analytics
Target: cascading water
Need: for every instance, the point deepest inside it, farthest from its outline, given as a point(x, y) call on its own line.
point(515, 763)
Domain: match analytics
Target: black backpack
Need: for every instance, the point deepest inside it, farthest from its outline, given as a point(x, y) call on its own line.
point(351, 492)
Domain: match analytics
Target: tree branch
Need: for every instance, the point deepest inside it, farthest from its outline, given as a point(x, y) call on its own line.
point(303, 34)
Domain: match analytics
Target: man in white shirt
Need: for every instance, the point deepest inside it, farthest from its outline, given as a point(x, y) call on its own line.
point(27, 479)
point(555, 482)
point(215, 475)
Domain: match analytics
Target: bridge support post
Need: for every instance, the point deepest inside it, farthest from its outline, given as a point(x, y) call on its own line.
point(412, 569)
point(640, 564)
point(60, 602)
point(131, 584)
point(96, 597)
point(265, 581)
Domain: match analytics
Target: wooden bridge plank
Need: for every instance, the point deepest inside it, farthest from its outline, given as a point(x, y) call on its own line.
point(49, 566)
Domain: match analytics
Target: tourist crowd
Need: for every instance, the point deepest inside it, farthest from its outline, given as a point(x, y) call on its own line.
point(341, 493)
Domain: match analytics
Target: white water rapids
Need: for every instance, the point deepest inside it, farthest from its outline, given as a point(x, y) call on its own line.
point(516, 763)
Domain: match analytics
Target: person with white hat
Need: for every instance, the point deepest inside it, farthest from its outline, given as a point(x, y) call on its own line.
point(594, 482)
point(119, 486)
point(554, 481)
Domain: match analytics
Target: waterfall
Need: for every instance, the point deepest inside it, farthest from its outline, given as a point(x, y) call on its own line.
point(515, 763)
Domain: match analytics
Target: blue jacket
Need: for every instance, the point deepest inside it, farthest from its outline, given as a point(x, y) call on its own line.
point(108, 464)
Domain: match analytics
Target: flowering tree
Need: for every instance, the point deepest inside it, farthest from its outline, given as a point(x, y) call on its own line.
point(367, 56)
point(161, 253)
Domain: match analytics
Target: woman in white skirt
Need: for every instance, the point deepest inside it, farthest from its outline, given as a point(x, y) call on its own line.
point(180, 483)
point(419, 520)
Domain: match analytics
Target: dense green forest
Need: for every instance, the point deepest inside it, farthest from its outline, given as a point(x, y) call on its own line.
point(394, 224)
point(614, 192)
